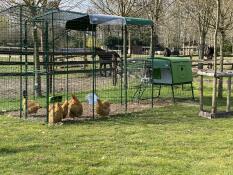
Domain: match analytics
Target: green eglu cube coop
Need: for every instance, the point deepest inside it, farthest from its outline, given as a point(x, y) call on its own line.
point(172, 71)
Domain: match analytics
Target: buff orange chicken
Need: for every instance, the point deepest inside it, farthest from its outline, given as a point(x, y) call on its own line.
point(55, 113)
point(32, 106)
point(75, 108)
point(65, 106)
point(102, 108)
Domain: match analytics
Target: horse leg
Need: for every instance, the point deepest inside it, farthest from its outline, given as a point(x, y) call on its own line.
point(110, 71)
point(114, 76)
point(101, 73)
point(105, 71)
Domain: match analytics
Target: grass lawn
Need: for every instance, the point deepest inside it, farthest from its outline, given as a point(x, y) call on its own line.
point(171, 140)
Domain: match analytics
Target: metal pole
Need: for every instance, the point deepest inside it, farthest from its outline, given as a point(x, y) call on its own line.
point(93, 72)
point(67, 65)
point(122, 67)
point(26, 70)
point(34, 68)
point(52, 59)
point(125, 66)
point(95, 58)
point(47, 71)
point(21, 66)
point(152, 62)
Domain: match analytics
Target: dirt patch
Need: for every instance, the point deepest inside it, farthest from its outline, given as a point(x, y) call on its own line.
point(88, 110)
point(9, 86)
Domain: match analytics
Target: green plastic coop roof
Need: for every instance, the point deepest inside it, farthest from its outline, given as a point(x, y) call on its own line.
point(175, 59)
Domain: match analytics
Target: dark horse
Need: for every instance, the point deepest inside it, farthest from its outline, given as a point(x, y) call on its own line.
point(210, 53)
point(110, 58)
point(167, 52)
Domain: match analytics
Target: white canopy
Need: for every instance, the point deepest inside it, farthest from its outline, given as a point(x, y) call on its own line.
point(106, 19)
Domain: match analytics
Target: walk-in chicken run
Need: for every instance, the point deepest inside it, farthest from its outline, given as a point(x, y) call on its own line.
point(62, 65)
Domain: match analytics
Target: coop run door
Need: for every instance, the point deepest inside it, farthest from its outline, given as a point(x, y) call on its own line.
point(182, 72)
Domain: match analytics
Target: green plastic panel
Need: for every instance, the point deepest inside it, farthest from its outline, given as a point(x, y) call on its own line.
point(182, 72)
point(162, 64)
point(157, 73)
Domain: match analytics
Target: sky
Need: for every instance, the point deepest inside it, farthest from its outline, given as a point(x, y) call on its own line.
point(83, 7)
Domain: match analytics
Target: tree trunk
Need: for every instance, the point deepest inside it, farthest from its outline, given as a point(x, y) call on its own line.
point(202, 45)
point(214, 102)
point(232, 45)
point(42, 44)
point(36, 62)
point(220, 85)
point(36, 57)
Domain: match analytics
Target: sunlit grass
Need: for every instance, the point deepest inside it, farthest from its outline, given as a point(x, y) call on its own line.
point(170, 140)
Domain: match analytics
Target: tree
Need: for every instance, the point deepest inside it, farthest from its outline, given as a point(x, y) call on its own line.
point(155, 10)
point(201, 12)
point(118, 7)
point(225, 24)
point(4, 30)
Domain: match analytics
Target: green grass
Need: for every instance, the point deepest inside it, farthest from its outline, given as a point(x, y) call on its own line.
point(167, 140)
point(171, 140)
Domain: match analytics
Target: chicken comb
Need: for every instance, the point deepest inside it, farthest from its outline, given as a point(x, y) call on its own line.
point(73, 96)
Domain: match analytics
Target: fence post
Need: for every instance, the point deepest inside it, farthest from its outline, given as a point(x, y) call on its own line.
point(200, 65)
point(201, 93)
point(228, 95)
point(214, 100)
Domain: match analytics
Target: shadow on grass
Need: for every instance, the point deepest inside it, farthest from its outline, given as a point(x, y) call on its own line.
point(163, 115)
point(15, 150)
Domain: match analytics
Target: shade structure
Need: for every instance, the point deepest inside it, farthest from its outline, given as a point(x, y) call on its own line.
point(89, 22)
